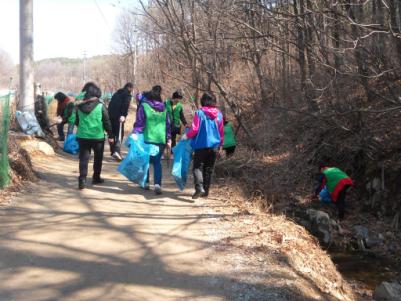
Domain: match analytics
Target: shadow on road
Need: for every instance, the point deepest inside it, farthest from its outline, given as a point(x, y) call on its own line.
point(117, 242)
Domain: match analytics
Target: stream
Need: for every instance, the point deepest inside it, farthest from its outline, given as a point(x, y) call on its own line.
point(369, 269)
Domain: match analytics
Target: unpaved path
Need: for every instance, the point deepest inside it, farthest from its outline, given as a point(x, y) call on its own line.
point(118, 242)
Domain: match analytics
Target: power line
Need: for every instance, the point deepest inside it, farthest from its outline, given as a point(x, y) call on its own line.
point(103, 16)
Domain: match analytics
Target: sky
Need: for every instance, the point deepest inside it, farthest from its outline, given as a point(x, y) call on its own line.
point(63, 28)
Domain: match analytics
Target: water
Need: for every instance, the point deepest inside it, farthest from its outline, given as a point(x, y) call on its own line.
point(366, 268)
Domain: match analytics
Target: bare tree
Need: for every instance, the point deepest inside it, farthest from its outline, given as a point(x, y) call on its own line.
point(7, 69)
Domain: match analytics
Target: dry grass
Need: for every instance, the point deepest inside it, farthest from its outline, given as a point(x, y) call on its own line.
point(21, 169)
point(275, 238)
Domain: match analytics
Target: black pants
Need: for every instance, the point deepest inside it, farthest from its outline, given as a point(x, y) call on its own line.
point(204, 160)
point(115, 147)
point(85, 148)
point(175, 131)
point(60, 131)
point(341, 202)
point(230, 151)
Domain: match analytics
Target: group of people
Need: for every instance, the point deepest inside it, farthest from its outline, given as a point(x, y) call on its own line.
point(159, 121)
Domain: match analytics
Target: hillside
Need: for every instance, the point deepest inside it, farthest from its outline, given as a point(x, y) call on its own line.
point(67, 74)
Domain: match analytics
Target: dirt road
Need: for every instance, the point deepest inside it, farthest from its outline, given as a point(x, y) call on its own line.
point(118, 242)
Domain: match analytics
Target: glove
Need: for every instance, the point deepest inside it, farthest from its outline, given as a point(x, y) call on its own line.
point(184, 137)
point(134, 136)
point(122, 119)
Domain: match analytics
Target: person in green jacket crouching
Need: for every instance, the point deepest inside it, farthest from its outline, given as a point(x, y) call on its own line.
point(332, 187)
point(229, 139)
point(92, 119)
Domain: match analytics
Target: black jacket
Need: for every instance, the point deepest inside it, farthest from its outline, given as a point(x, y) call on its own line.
point(119, 104)
point(88, 106)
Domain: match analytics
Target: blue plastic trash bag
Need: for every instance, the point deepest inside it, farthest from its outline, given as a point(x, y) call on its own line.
point(182, 161)
point(324, 196)
point(153, 149)
point(135, 165)
point(71, 144)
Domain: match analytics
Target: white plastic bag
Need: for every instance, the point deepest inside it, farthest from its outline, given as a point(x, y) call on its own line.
point(29, 124)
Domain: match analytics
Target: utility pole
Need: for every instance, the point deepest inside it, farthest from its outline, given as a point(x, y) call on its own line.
point(135, 62)
point(27, 99)
point(135, 49)
point(84, 69)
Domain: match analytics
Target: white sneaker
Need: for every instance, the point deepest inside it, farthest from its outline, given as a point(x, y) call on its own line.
point(158, 189)
point(117, 156)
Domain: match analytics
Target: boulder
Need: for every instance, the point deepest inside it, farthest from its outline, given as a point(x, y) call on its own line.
point(388, 291)
point(37, 147)
point(361, 232)
point(373, 242)
point(320, 225)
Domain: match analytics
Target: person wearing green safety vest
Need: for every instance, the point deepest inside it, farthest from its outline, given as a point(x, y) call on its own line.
point(176, 114)
point(92, 119)
point(333, 186)
point(229, 139)
point(153, 122)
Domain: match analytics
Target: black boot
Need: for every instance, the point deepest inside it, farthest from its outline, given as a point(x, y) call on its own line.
point(97, 180)
point(81, 184)
point(205, 194)
point(199, 191)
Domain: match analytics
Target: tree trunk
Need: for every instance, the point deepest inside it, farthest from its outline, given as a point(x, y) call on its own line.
point(394, 27)
point(358, 52)
point(300, 24)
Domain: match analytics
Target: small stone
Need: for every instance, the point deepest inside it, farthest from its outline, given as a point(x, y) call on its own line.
point(392, 248)
point(376, 184)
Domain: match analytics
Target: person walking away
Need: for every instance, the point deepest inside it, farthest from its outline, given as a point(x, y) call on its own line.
point(154, 122)
point(176, 113)
point(118, 111)
point(65, 107)
point(207, 134)
point(337, 183)
point(229, 139)
point(92, 120)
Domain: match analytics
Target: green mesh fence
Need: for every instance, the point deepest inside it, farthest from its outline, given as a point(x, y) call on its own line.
point(4, 124)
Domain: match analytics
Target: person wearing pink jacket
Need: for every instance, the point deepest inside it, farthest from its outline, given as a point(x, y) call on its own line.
point(207, 134)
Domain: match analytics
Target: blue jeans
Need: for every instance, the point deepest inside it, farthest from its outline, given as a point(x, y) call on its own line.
point(156, 161)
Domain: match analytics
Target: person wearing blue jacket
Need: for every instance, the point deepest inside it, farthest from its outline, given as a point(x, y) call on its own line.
point(207, 134)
